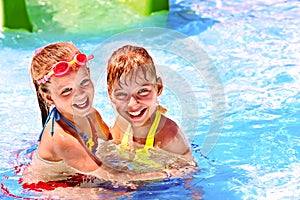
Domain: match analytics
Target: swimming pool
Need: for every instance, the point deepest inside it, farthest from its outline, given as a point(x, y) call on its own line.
point(254, 46)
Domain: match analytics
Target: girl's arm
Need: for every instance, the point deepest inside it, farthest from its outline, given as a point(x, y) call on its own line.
point(118, 129)
point(72, 152)
point(124, 177)
point(69, 149)
point(101, 126)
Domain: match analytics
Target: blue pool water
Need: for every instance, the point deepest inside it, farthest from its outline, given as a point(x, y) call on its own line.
point(253, 48)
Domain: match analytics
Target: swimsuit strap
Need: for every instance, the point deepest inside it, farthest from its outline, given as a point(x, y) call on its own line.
point(92, 143)
point(151, 134)
point(79, 136)
point(141, 158)
point(47, 120)
point(55, 116)
point(67, 122)
point(152, 131)
point(124, 142)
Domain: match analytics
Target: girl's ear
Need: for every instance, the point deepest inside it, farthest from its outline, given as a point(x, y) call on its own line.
point(47, 98)
point(159, 86)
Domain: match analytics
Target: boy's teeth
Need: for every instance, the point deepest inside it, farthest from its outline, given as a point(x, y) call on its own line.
point(135, 113)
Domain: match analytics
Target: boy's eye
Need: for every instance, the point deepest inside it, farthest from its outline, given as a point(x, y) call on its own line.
point(121, 95)
point(143, 91)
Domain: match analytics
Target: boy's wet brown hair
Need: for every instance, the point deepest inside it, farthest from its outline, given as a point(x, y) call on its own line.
point(128, 60)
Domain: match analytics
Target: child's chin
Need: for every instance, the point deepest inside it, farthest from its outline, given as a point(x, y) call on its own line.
point(138, 123)
point(82, 112)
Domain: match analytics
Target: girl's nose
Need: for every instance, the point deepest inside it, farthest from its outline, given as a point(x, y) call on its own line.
point(79, 91)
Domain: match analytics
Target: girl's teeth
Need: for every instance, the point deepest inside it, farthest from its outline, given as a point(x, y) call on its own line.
point(82, 104)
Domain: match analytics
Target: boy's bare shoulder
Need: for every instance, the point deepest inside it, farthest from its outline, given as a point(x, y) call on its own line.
point(167, 131)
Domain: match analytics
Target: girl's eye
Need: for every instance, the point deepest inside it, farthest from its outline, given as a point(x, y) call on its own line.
point(66, 91)
point(85, 82)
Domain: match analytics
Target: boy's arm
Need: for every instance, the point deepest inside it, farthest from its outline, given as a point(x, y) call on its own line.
point(178, 144)
point(173, 140)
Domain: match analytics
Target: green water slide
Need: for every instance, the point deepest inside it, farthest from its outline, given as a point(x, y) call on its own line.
point(14, 13)
point(146, 7)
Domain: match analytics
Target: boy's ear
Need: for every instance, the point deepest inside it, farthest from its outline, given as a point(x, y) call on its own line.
point(47, 98)
point(159, 86)
point(110, 96)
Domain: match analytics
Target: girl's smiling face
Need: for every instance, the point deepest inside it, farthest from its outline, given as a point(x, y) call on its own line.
point(72, 94)
point(135, 96)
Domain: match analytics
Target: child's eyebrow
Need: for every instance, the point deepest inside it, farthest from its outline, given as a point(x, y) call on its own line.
point(146, 84)
point(118, 89)
point(139, 85)
point(61, 86)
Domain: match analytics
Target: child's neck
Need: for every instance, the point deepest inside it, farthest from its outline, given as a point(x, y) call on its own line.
point(84, 125)
point(140, 131)
point(80, 122)
point(143, 131)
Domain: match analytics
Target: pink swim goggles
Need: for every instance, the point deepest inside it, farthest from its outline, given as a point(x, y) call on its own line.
point(63, 68)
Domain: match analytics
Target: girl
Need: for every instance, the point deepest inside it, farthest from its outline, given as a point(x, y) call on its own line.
point(72, 128)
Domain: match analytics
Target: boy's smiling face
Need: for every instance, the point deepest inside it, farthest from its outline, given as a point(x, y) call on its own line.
point(135, 96)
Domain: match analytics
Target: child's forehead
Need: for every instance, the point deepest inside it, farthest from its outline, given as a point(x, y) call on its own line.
point(81, 72)
point(136, 77)
point(73, 76)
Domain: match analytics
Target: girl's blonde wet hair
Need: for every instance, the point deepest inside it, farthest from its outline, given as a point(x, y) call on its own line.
point(42, 62)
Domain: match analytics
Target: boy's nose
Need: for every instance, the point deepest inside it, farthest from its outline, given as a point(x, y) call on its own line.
point(132, 101)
